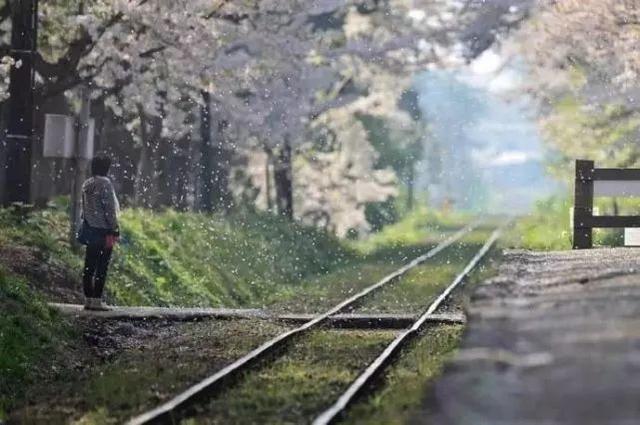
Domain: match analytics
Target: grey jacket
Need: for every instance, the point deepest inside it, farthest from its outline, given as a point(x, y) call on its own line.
point(100, 207)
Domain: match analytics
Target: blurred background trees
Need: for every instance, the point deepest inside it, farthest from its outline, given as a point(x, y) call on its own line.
point(304, 109)
point(584, 64)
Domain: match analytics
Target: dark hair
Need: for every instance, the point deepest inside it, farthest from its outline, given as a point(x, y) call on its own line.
point(100, 165)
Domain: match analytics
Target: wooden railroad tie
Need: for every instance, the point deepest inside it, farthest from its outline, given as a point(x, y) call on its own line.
point(345, 321)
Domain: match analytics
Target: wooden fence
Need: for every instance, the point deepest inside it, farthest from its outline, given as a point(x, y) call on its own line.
point(592, 182)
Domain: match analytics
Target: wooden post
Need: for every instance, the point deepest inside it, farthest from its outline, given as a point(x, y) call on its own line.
point(583, 205)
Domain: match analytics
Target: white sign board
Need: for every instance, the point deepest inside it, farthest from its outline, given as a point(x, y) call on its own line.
point(623, 188)
point(632, 236)
point(59, 136)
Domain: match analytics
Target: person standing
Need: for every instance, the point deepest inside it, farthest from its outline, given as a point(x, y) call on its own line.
point(99, 231)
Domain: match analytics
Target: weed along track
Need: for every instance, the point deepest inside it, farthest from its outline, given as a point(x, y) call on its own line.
point(183, 404)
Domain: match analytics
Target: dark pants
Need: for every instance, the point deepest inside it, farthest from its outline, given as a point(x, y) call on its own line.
point(96, 263)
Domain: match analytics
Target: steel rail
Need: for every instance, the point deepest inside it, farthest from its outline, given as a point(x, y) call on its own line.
point(333, 413)
point(169, 411)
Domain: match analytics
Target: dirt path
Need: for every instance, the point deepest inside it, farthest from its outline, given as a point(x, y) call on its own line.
point(554, 339)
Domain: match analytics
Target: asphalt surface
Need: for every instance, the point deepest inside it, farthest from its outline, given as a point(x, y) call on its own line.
point(554, 339)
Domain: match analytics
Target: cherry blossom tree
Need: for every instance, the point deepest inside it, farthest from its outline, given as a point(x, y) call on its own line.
point(584, 66)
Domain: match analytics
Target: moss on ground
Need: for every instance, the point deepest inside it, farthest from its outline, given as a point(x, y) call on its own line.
point(299, 384)
point(408, 379)
point(132, 367)
point(419, 286)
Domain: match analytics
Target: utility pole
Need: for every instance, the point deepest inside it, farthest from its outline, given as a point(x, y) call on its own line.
point(80, 162)
point(19, 138)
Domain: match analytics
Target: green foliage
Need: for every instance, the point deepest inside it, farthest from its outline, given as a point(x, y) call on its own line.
point(29, 331)
point(45, 231)
point(399, 149)
point(207, 260)
point(605, 134)
point(413, 229)
point(380, 214)
point(548, 227)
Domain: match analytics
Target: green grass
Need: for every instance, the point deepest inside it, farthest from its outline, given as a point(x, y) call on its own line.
point(197, 259)
point(412, 230)
point(547, 227)
point(414, 291)
point(408, 379)
point(164, 363)
point(29, 332)
point(299, 384)
point(246, 260)
point(173, 258)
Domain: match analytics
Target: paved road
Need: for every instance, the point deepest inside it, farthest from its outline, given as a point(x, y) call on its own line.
point(554, 339)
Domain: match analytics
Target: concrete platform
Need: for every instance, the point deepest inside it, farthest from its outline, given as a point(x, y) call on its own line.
point(360, 321)
point(554, 339)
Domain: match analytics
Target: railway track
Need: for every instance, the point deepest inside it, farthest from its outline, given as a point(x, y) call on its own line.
point(174, 409)
point(363, 381)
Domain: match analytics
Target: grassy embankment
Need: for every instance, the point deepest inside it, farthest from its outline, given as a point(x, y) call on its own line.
point(548, 226)
point(30, 334)
point(175, 258)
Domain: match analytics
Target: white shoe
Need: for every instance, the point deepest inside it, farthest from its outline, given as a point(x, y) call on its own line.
point(98, 305)
point(88, 303)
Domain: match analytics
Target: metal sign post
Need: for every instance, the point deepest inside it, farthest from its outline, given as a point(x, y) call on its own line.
point(80, 163)
point(64, 137)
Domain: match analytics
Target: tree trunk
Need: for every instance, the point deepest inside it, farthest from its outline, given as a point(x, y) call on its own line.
point(216, 163)
point(19, 137)
point(144, 185)
point(206, 181)
point(283, 179)
point(3, 151)
point(80, 166)
point(267, 179)
point(179, 168)
point(222, 170)
point(410, 187)
point(166, 181)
